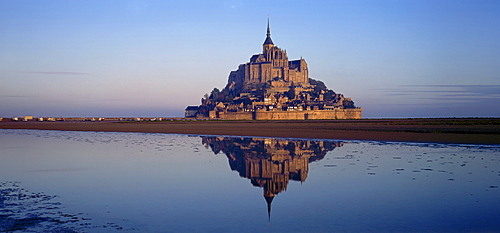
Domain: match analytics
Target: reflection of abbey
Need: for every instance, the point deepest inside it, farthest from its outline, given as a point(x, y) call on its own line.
point(271, 87)
point(270, 163)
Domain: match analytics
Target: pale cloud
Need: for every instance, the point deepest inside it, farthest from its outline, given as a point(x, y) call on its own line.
point(16, 96)
point(55, 72)
point(465, 92)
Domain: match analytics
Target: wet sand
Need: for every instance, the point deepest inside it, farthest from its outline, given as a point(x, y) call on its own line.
point(446, 130)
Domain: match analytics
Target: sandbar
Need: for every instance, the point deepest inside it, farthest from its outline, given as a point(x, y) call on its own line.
point(439, 130)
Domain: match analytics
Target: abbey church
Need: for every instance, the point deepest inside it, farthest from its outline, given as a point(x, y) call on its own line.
point(271, 65)
point(271, 87)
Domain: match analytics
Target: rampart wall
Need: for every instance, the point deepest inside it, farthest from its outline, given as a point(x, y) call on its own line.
point(339, 114)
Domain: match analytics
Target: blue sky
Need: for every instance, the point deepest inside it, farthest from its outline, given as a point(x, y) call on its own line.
point(153, 58)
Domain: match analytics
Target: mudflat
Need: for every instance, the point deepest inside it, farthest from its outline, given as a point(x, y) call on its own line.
point(439, 130)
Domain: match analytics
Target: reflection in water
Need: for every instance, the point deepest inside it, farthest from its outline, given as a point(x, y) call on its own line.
point(61, 181)
point(270, 162)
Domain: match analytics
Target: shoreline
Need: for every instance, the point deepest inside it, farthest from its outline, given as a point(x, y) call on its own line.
point(439, 130)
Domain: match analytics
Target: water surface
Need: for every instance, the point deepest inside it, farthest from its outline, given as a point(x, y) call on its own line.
point(114, 182)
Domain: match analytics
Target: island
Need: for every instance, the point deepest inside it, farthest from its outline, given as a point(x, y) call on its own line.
point(272, 87)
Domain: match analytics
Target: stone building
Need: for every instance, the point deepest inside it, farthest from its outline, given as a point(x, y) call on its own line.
point(272, 87)
point(191, 111)
point(271, 64)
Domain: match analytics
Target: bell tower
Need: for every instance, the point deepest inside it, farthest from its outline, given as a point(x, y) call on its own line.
point(268, 43)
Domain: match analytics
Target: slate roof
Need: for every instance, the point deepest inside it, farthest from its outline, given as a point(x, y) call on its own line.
point(192, 108)
point(268, 41)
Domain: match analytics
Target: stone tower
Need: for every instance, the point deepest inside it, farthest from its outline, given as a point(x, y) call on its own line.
point(268, 43)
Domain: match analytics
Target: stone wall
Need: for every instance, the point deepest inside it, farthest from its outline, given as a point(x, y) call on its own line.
point(335, 114)
point(236, 115)
point(354, 113)
point(309, 114)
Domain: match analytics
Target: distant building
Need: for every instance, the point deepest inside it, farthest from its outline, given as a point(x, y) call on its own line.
point(27, 118)
point(271, 87)
point(191, 111)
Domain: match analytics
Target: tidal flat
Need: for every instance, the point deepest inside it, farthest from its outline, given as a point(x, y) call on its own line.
point(69, 181)
point(432, 130)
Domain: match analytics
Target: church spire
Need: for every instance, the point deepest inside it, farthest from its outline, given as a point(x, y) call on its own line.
point(268, 28)
point(268, 40)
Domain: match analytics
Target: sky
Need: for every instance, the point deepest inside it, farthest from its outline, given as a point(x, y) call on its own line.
point(394, 58)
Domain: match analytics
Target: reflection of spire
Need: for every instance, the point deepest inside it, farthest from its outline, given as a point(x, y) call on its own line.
point(269, 199)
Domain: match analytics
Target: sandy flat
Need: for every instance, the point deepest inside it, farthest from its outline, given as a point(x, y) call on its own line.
point(447, 130)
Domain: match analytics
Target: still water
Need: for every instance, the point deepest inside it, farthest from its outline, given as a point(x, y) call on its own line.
point(132, 182)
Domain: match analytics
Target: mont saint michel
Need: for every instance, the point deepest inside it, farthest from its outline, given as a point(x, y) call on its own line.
point(272, 87)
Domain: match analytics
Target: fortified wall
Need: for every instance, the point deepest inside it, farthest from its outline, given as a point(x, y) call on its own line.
point(335, 114)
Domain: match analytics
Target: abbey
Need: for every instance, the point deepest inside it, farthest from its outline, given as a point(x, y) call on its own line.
point(271, 87)
point(271, 65)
